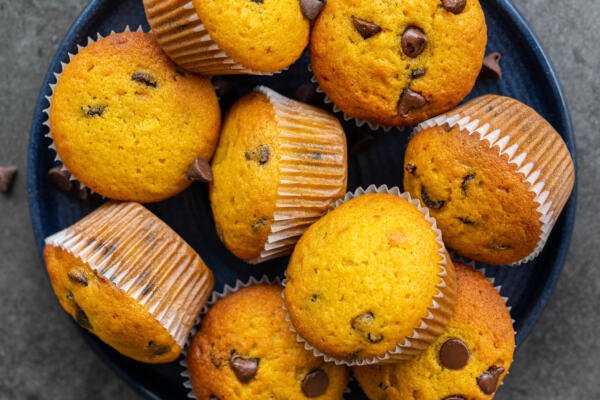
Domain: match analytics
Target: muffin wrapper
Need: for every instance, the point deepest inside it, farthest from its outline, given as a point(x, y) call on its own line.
point(544, 162)
point(313, 171)
point(145, 259)
point(52, 86)
point(439, 313)
point(183, 36)
point(216, 296)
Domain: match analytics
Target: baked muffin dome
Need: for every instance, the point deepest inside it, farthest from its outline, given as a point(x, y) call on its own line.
point(127, 123)
point(245, 350)
point(494, 174)
point(467, 362)
point(370, 281)
point(397, 63)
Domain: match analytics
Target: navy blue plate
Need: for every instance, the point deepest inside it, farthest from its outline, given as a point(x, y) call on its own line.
point(528, 76)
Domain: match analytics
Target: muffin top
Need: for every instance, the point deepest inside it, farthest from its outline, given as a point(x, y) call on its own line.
point(362, 278)
point(467, 362)
point(127, 123)
point(397, 62)
point(245, 350)
point(264, 35)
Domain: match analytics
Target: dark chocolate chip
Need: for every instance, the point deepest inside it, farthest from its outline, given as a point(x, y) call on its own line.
point(7, 175)
point(306, 93)
point(465, 183)
point(314, 297)
point(466, 220)
point(82, 318)
point(261, 154)
point(454, 354)
point(434, 204)
point(158, 349)
point(373, 338)
point(144, 78)
point(61, 179)
point(417, 73)
point(315, 383)
point(200, 171)
point(491, 66)
point(244, 368)
point(413, 41)
point(411, 168)
point(365, 28)
point(488, 381)
point(454, 397)
point(409, 101)
point(93, 111)
point(363, 321)
point(77, 276)
point(259, 223)
point(312, 8)
point(454, 6)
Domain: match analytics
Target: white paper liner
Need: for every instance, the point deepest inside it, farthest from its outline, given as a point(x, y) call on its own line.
point(533, 176)
point(185, 39)
point(145, 259)
point(414, 344)
point(303, 131)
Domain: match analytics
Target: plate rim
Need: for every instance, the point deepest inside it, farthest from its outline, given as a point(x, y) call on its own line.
point(524, 29)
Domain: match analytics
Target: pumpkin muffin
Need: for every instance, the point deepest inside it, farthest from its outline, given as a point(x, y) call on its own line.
point(467, 362)
point(127, 123)
point(279, 166)
point(240, 37)
point(494, 174)
point(370, 281)
point(398, 63)
point(245, 350)
point(126, 277)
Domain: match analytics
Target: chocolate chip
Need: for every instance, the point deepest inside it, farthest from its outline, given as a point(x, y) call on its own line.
point(315, 383)
point(409, 101)
point(454, 397)
point(77, 276)
point(365, 28)
point(373, 338)
point(436, 205)
point(259, 223)
point(417, 73)
point(61, 179)
point(7, 175)
point(314, 297)
point(93, 111)
point(244, 368)
point(454, 6)
point(454, 354)
point(465, 183)
point(306, 93)
point(363, 321)
point(200, 171)
point(491, 66)
point(413, 41)
point(261, 154)
point(82, 318)
point(223, 87)
point(158, 349)
point(488, 381)
point(466, 220)
point(411, 168)
point(312, 8)
point(145, 79)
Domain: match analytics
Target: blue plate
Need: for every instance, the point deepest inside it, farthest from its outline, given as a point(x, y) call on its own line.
point(528, 76)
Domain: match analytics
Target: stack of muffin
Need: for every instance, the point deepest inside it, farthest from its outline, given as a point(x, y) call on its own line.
point(370, 284)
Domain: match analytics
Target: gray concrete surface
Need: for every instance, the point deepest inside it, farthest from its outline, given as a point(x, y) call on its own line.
point(41, 354)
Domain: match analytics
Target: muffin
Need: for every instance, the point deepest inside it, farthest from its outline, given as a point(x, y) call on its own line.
point(494, 174)
point(398, 64)
point(245, 350)
point(279, 166)
point(371, 281)
point(467, 362)
point(127, 123)
point(126, 277)
point(241, 37)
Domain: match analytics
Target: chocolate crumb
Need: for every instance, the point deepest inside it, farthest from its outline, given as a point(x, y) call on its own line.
point(93, 111)
point(417, 73)
point(491, 66)
point(7, 176)
point(411, 168)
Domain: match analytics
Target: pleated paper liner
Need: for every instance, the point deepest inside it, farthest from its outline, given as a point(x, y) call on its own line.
point(439, 313)
point(183, 36)
point(216, 296)
point(313, 171)
point(129, 246)
point(530, 142)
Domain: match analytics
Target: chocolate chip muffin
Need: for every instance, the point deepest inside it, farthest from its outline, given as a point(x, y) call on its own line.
point(245, 350)
point(279, 166)
point(398, 63)
point(467, 362)
point(126, 277)
point(494, 174)
point(239, 37)
point(127, 123)
point(371, 281)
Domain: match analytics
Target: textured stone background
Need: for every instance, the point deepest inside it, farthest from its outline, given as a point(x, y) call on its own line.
point(43, 357)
